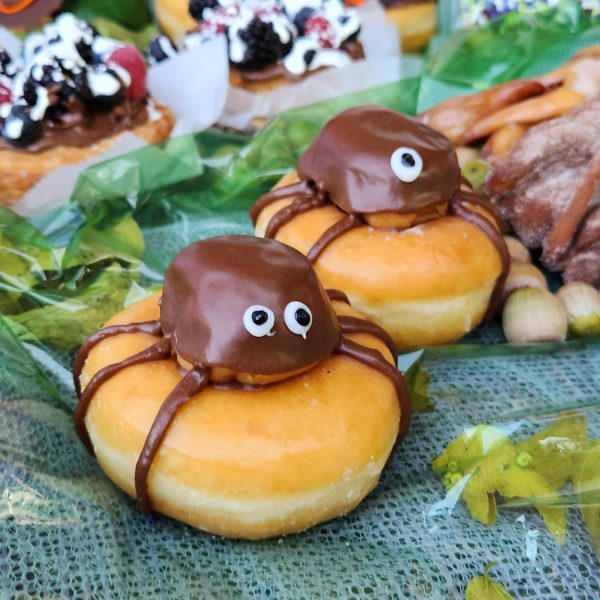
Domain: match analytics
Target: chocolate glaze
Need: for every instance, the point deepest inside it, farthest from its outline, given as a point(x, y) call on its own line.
point(337, 296)
point(193, 383)
point(350, 160)
point(294, 190)
point(79, 128)
point(335, 231)
point(287, 213)
point(373, 358)
point(149, 327)
point(355, 325)
point(158, 351)
point(458, 209)
point(208, 287)
point(30, 16)
point(210, 284)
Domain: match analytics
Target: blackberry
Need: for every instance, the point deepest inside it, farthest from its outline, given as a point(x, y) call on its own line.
point(263, 46)
point(300, 19)
point(86, 52)
point(196, 7)
point(30, 91)
point(80, 88)
point(5, 60)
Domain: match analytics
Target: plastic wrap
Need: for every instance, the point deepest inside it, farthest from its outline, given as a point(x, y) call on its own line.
point(525, 420)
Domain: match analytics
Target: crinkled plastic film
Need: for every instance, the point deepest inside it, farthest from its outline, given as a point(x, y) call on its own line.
point(67, 531)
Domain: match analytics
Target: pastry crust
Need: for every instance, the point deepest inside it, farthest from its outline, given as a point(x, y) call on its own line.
point(426, 285)
point(20, 171)
point(242, 463)
point(416, 23)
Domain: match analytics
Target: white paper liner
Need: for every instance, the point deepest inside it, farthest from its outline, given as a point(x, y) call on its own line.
point(381, 65)
point(193, 85)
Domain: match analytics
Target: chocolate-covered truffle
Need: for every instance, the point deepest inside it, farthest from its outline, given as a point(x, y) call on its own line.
point(209, 287)
point(366, 158)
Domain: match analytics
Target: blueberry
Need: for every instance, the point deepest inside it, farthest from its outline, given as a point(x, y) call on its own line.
point(196, 7)
point(86, 52)
point(309, 55)
point(301, 17)
point(19, 130)
point(30, 91)
point(160, 48)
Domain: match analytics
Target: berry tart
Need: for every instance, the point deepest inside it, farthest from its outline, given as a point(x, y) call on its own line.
point(68, 97)
point(272, 41)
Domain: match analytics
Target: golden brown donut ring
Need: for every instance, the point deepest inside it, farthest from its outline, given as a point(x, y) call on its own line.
point(429, 284)
point(249, 464)
point(20, 171)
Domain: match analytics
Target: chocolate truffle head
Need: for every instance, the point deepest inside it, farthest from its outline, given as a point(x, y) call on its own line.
point(247, 304)
point(370, 159)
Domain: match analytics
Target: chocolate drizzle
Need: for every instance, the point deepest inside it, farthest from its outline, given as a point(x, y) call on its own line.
point(158, 351)
point(457, 209)
point(193, 383)
point(329, 235)
point(207, 287)
point(373, 358)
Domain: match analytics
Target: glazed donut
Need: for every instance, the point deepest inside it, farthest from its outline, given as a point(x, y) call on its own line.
point(238, 461)
point(422, 258)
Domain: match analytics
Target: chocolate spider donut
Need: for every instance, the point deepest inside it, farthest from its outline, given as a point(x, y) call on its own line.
point(247, 400)
point(379, 207)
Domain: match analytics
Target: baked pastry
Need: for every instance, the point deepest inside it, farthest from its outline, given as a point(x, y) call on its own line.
point(509, 109)
point(272, 42)
point(416, 21)
point(247, 400)
point(377, 207)
point(26, 13)
point(68, 98)
point(548, 190)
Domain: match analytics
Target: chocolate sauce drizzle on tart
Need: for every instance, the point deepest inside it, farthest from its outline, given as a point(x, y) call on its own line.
point(370, 160)
point(236, 305)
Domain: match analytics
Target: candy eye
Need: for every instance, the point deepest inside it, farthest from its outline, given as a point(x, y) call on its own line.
point(259, 320)
point(298, 318)
point(406, 163)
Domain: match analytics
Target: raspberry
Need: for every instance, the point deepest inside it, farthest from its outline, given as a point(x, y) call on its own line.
point(263, 46)
point(196, 7)
point(320, 28)
point(128, 58)
point(5, 95)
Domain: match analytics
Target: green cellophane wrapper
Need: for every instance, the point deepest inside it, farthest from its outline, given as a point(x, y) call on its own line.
point(67, 531)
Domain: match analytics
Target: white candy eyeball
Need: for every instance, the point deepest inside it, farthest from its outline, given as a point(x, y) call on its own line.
point(406, 163)
point(298, 318)
point(259, 320)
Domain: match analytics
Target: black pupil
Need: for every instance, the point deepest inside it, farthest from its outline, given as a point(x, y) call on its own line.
point(259, 317)
point(408, 160)
point(302, 317)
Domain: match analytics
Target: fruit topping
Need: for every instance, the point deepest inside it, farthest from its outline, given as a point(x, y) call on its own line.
point(19, 128)
point(322, 29)
point(263, 45)
point(196, 7)
point(130, 60)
